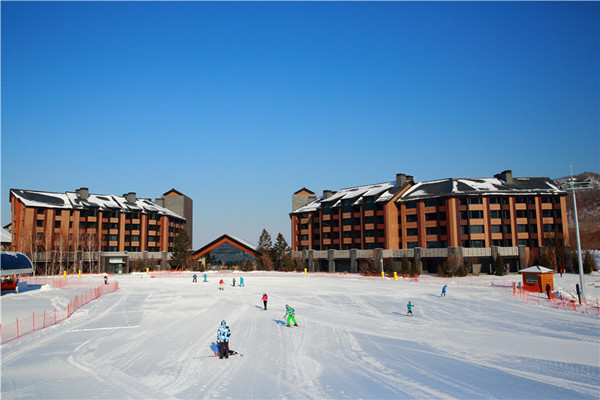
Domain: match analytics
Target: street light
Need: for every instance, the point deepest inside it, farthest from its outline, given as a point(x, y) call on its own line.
point(578, 242)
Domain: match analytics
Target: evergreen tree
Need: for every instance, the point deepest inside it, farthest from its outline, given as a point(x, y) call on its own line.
point(279, 250)
point(181, 250)
point(405, 267)
point(589, 263)
point(414, 267)
point(265, 248)
point(499, 267)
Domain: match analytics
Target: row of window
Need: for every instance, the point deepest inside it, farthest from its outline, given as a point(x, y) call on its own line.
point(92, 212)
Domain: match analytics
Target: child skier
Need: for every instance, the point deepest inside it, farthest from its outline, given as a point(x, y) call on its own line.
point(205, 278)
point(264, 299)
point(234, 282)
point(241, 281)
point(223, 334)
point(194, 278)
point(221, 284)
point(289, 313)
point(444, 291)
point(409, 307)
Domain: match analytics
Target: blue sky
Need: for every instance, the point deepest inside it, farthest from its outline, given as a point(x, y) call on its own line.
point(240, 104)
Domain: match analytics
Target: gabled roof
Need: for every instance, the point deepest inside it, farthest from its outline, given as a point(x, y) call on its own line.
point(304, 191)
point(173, 191)
point(480, 186)
point(537, 269)
point(225, 238)
point(71, 200)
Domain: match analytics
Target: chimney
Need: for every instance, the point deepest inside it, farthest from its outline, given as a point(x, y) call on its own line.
point(160, 202)
point(327, 194)
point(83, 193)
point(130, 197)
point(505, 176)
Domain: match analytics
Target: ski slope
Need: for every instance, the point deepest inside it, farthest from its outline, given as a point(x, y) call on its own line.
point(148, 341)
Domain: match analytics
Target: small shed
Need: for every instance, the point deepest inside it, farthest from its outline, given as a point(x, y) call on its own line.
point(536, 278)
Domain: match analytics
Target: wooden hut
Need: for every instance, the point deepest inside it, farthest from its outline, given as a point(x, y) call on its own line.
point(535, 278)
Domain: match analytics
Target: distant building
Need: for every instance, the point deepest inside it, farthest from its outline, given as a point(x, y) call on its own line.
point(80, 230)
point(180, 204)
point(455, 213)
point(226, 251)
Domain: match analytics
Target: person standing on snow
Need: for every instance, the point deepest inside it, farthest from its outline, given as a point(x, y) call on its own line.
point(409, 307)
point(444, 291)
point(205, 278)
point(548, 288)
point(233, 281)
point(264, 299)
point(221, 284)
point(241, 281)
point(194, 278)
point(223, 334)
point(289, 313)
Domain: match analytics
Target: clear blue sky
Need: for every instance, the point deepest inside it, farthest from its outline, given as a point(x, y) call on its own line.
point(238, 105)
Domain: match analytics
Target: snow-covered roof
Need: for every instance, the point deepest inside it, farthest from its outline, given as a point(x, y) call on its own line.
point(5, 236)
point(71, 200)
point(356, 194)
point(536, 269)
point(480, 186)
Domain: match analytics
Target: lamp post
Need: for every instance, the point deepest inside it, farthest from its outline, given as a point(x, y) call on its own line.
point(577, 235)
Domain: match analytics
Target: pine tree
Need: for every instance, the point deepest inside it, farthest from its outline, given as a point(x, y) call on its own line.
point(405, 267)
point(414, 267)
point(279, 250)
point(499, 268)
point(265, 248)
point(181, 250)
point(589, 263)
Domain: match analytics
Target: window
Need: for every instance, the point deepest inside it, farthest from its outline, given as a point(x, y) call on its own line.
point(475, 214)
point(431, 203)
point(411, 205)
point(411, 218)
point(464, 215)
point(533, 228)
point(505, 214)
point(462, 201)
point(521, 228)
point(431, 231)
point(369, 203)
point(476, 228)
point(494, 200)
point(521, 213)
point(548, 227)
point(412, 232)
point(520, 200)
point(370, 220)
point(547, 213)
point(494, 213)
point(431, 217)
point(531, 214)
point(135, 238)
point(496, 228)
point(57, 224)
point(40, 211)
point(477, 243)
point(412, 245)
point(347, 206)
point(464, 229)
point(475, 200)
point(40, 223)
point(58, 212)
point(112, 238)
point(522, 242)
point(546, 199)
point(433, 245)
point(507, 228)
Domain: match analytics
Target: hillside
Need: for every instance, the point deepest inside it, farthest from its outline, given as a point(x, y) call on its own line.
point(588, 212)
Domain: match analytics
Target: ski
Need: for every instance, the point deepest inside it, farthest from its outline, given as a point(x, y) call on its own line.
point(231, 353)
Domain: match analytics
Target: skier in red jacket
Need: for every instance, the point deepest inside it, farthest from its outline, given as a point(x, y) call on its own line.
point(264, 299)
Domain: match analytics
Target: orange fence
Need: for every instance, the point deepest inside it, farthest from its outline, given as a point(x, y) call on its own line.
point(556, 301)
point(35, 322)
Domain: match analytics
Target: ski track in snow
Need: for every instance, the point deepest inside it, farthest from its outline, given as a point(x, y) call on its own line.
point(146, 341)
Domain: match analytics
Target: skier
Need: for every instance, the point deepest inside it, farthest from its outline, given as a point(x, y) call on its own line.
point(444, 291)
point(221, 284)
point(264, 299)
point(223, 334)
point(105, 280)
point(233, 281)
point(289, 313)
point(409, 307)
point(205, 278)
point(194, 278)
point(241, 281)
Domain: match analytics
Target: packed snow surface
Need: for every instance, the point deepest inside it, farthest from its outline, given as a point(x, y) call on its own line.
point(150, 339)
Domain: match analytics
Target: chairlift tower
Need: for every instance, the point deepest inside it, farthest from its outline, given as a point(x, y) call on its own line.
point(579, 260)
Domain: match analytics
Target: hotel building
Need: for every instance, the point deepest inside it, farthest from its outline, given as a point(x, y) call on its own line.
point(504, 214)
point(79, 229)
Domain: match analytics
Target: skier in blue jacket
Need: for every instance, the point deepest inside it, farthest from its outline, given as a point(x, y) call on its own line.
point(409, 307)
point(444, 291)
point(223, 334)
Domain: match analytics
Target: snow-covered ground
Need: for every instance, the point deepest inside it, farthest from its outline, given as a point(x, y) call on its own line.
point(147, 340)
